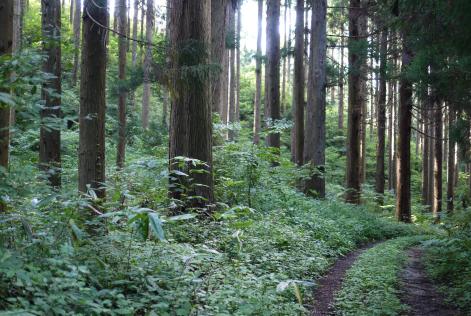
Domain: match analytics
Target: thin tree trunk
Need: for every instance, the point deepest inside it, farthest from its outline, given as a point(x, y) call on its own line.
point(425, 157)
point(391, 137)
point(316, 103)
point(403, 202)
point(363, 69)
point(438, 162)
point(76, 26)
point(381, 145)
point(298, 85)
point(146, 94)
point(272, 84)
point(450, 192)
point(258, 77)
point(431, 144)
point(135, 19)
point(71, 13)
point(355, 104)
point(191, 125)
point(239, 27)
point(93, 101)
point(285, 45)
point(50, 135)
point(121, 150)
point(232, 72)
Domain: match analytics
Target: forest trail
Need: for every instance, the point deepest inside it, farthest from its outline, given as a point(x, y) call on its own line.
point(418, 292)
point(331, 283)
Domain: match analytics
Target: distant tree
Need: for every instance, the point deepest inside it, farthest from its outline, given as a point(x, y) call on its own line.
point(451, 165)
point(258, 77)
point(121, 150)
point(272, 76)
point(314, 147)
point(77, 22)
point(147, 64)
point(381, 117)
point(91, 165)
point(50, 135)
point(190, 123)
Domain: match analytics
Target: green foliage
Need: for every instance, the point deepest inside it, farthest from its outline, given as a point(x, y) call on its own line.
point(371, 284)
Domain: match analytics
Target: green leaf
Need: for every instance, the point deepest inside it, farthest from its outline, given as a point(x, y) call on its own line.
point(156, 226)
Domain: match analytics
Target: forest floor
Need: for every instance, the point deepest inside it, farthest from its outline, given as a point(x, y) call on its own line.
point(418, 293)
point(331, 283)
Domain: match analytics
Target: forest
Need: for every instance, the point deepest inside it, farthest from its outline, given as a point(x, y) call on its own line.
point(235, 157)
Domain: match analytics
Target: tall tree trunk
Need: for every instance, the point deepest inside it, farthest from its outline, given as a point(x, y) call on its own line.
point(258, 77)
point(239, 28)
point(285, 45)
point(381, 145)
point(121, 150)
point(71, 13)
point(438, 161)
point(76, 27)
point(425, 156)
point(135, 21)
point(403, 202)
point(50, 135)
point(93, 99)
point(355, 103)
point(342, 75)
point(147, 64)
point(272, 84)
point(450, 183)
point(191, 125)
point(298, 85)
point(363, 69)
point(218, 49)
point(6, 43)
point(431, 144)
point(315, 112)
point(232, 77)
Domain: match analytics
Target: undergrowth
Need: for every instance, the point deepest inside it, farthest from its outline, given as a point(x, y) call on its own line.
point(259, 254)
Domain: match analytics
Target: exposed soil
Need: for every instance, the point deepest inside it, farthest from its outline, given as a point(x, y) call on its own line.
point(331, 283)
point(418, 292)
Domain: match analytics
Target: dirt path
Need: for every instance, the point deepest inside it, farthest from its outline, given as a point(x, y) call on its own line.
point(332, 282)
point(418, 292)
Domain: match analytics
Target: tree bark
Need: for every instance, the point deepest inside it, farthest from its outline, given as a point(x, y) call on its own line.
point(342, 75)
point(121, 150)
point(272, 84)
point(76, 27)
point(135, 21)
point(285, 46)
point(147, 64)
point(239, 28)
point(355, 104)
point(298, 85)
point(6, 43)
point(381, 145)
point(50, 135)
point(191, 125)
point(232, 69)
point(93, 99)
point(403, 202)
point(450, 192)
point(218, 48)
point(316, 103)
point(425, 156)
point(258, 77)
point(438, 162)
